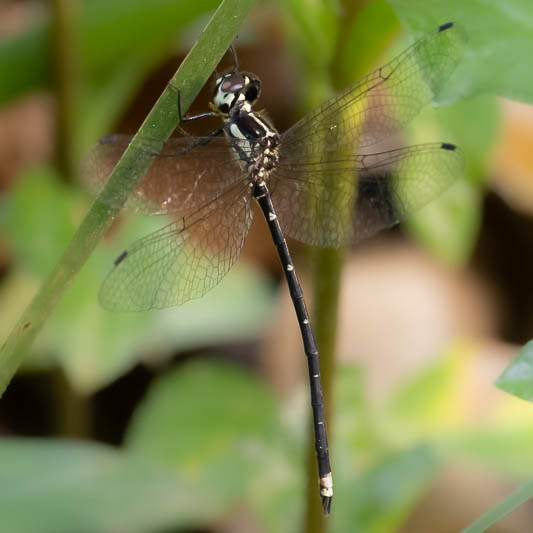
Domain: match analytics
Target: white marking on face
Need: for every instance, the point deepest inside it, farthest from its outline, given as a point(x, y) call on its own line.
point(290, 268)
point(315, 375)
point(306, 321)
point(272, 216)
point(222, 98)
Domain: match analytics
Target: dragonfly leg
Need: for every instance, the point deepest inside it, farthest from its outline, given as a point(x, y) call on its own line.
point(198, 141)
point(193, 117)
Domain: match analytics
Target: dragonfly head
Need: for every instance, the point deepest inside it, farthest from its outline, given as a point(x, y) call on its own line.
point(235, 87)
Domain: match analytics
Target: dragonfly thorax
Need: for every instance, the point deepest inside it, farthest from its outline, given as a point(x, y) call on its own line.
point(255, 143)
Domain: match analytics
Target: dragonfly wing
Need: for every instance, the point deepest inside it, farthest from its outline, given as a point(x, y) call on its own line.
point(309, 196)
point(395, 184)
point(331, 202)
point(183, 260)
point(185, 174)
point(381, 103)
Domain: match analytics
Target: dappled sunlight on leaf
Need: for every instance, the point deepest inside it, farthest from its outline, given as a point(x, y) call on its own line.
point(517, 378)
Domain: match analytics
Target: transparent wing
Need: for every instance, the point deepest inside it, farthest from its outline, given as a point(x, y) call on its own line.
point(183, 260)
point(185, 174)
point(381, 103)
point(329, 201)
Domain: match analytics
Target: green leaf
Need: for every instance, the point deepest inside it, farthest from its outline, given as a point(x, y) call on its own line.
point(497, 31)
point(159, 124)
point(355, 439)
point(381, 499)
point(483, 116)
point(313, 29)
point(517, 378)
point(60, 487)
point(375, 488)
point(426, 408)
point(448, 227)
point(491, 517)
point(424, 403)
point(208, 421)
point(94, 346)
point(37, 216)
point(313, 26)
point(110, 33)
point(103, 103)
point(370, 31)
point(25, 63)
point(501, 448)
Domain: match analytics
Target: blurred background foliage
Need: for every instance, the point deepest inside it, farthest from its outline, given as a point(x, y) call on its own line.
point(194, 418)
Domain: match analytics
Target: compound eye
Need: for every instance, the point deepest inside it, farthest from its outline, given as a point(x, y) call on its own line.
point(232, 83)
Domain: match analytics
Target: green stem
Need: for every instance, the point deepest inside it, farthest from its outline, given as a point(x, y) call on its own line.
point(515, 499)
point(72, 410)
point(158, 125)
point(65, 45)
point(327, 271)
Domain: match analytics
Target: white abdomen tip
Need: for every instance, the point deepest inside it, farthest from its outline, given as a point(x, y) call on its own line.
point(326, 486)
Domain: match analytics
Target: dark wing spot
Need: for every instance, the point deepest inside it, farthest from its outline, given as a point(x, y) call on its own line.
point(108, 139)
point(448, 146)
point(27, 325)
point(446, 26)
point(121, 257)
point(375, 203)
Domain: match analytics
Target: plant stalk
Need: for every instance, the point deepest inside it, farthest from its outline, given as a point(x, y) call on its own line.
point(158, 125)
point(66, 88)
point(327, 269)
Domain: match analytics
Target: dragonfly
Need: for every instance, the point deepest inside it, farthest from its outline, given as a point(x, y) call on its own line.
point(327, 181)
